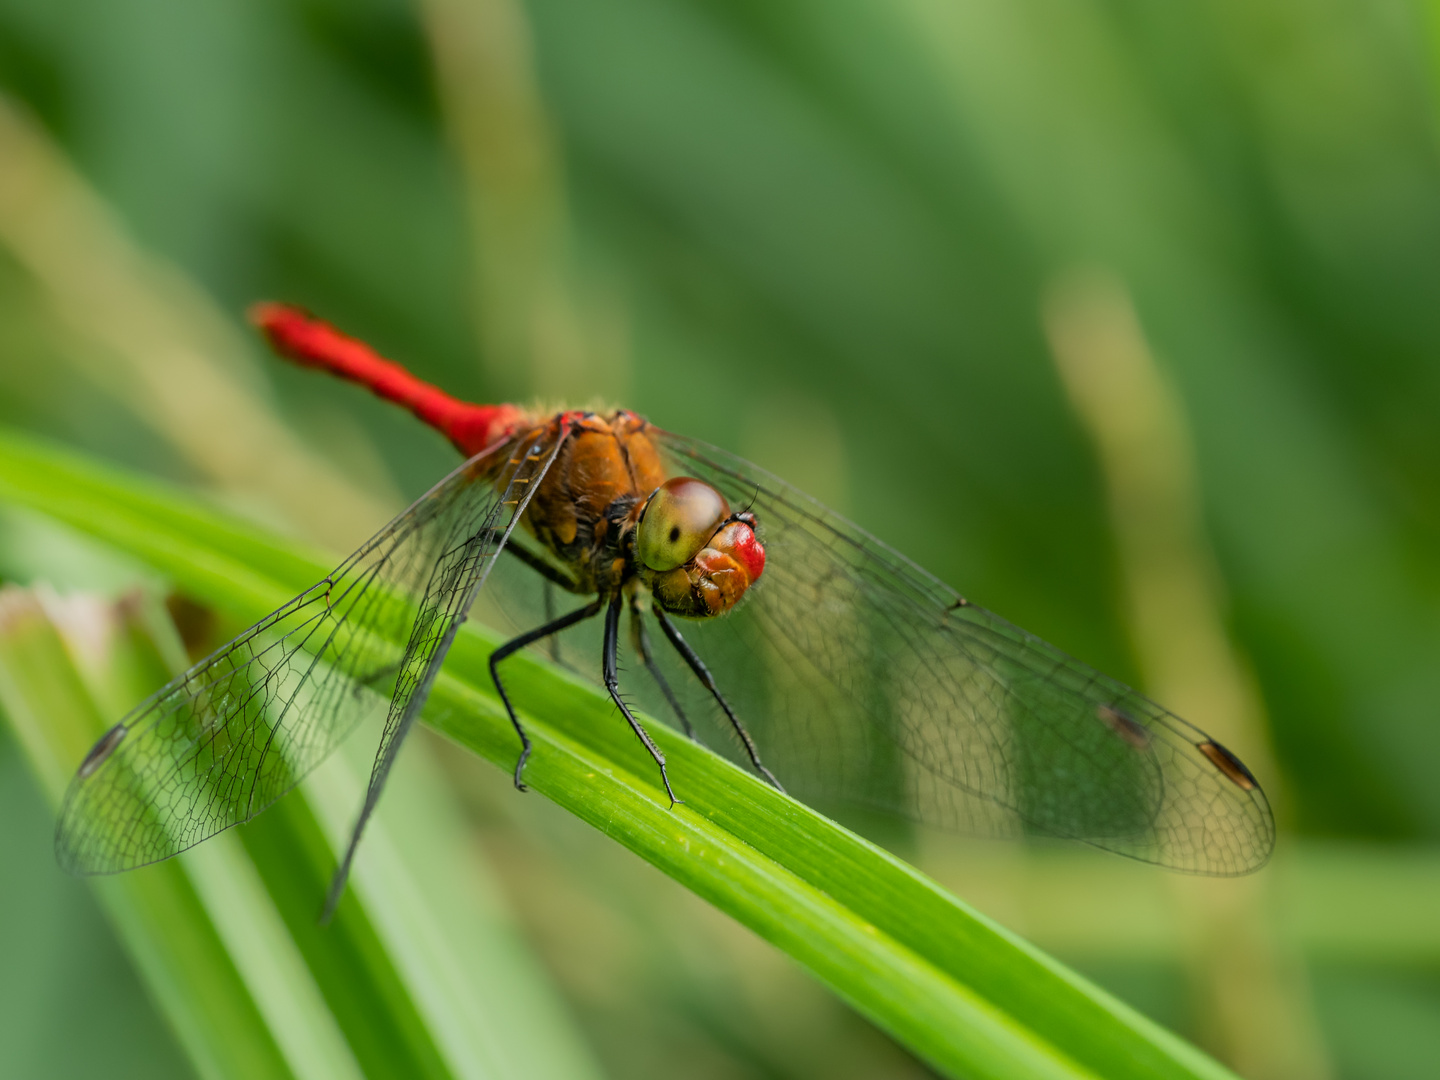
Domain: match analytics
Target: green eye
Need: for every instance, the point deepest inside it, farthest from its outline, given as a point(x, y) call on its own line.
point(677, 521)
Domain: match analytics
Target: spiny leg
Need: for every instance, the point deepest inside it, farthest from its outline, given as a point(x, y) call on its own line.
point(369, 681)
point(544, 569)
point(553, 577)
point(612, 683)
point(514, 644)
point(703, 674)
point(547, 592)
point(642, 646)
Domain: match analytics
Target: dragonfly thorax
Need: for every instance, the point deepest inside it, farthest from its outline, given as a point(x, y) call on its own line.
point(609, 513)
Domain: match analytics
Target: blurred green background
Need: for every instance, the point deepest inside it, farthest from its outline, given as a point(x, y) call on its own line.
point(851, 241)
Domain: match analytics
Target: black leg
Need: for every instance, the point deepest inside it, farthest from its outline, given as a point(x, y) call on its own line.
point(612, 683)
point(363, 682)
point(552, 643)
point(703, 674)
point(543, 568)
point(553, 576)
point(579, 615)
point(642, 646)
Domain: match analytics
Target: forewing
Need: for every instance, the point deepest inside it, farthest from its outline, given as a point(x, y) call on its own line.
point(473, 537)
point(866, 680)
point(234, 733)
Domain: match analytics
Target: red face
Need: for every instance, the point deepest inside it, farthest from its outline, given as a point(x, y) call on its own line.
point(697, 557)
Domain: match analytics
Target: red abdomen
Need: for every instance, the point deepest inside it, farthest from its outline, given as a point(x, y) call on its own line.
point(311, 342)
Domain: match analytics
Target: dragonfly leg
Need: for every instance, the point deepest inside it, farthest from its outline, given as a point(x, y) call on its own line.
point(612, 683)
point(515, 644)
point(368, 681)
point(547, 594)
point(708, 681)
point(553, 577)
point(642, 646)
point(550, 573)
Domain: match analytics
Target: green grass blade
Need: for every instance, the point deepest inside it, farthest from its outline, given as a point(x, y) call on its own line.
point(954, 987)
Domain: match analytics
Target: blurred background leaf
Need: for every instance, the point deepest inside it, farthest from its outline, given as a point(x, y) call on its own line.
point(821, 235)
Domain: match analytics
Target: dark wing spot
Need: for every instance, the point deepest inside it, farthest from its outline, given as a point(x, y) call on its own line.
point(1233, 768)
point(103, 749)
point(674, 533)
point(1127, 727)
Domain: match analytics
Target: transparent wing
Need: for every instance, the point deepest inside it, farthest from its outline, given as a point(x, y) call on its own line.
point(865, 680)
point(234, 733)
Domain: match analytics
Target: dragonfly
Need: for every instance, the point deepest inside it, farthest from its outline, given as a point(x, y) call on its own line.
point(837, 670)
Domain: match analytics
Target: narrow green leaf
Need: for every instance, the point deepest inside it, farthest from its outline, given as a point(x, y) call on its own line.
point(960, 991)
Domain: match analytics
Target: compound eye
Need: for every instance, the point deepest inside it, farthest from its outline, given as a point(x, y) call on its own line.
point(677, 521)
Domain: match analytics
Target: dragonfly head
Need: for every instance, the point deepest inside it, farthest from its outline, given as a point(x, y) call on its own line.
point(695, 555)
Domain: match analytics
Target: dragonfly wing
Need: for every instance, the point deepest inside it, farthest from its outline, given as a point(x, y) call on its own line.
point(227, 738)
point(471, 537)
point(868, 681)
